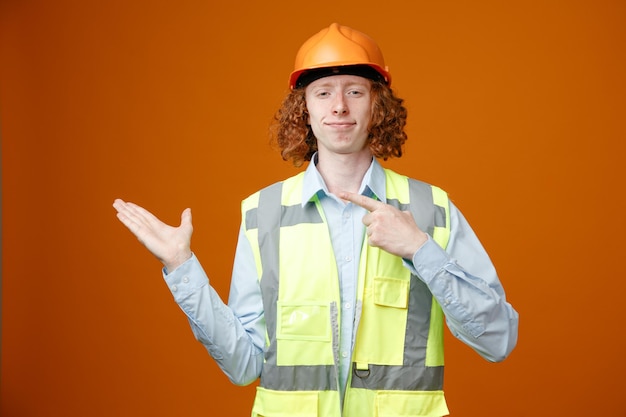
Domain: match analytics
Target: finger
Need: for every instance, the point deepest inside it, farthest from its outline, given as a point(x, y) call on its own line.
point(118, 204)
point(125, 207)
point(134, 217)
point(129, 223)
point(367, 219)
point(123, 213)
point(185, 217)
point(361, 200)
point(141, 215)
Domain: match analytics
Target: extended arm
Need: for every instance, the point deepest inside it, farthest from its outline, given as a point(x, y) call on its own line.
point(233, 336)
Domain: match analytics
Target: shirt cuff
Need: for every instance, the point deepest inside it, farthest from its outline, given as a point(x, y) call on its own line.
point(185, 279)
point(429, 259)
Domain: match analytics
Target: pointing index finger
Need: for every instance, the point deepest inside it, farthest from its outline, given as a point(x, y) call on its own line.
point(360, 200)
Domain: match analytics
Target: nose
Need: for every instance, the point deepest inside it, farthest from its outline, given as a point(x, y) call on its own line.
point(339, 105)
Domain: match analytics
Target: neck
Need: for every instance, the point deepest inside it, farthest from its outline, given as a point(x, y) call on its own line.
point(343, 172)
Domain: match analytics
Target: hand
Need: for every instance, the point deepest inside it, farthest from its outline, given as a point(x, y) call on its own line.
point(170, 245)
point(388, 228)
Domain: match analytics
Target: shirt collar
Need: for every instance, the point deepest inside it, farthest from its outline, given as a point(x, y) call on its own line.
point(372, 185)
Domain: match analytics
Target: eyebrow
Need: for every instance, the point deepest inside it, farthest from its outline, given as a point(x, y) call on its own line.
point(364, 83)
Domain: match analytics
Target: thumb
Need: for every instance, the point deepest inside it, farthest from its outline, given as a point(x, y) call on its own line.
point(185, 217)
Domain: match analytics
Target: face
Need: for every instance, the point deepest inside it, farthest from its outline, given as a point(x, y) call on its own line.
point(339, 109)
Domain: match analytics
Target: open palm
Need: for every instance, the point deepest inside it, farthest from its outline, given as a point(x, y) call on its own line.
point(170, 245)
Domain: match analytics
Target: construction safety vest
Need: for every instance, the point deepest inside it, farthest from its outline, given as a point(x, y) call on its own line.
point(397, 359)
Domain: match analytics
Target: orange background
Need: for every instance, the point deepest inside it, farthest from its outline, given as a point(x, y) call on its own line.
point(515, 108)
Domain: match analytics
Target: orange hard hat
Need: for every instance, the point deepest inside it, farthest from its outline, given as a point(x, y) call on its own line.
point(338, 50)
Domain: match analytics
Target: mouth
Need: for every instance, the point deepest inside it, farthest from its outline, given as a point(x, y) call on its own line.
point(341, 125)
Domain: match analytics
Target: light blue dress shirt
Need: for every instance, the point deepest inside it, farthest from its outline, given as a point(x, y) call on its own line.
point(462, 278)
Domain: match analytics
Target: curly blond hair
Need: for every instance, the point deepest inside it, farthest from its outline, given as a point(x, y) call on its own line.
point(295, 139)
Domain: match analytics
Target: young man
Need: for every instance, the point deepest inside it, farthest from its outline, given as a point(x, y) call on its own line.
point(345, 273)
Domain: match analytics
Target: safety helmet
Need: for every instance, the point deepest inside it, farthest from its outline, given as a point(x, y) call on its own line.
point(338, 50)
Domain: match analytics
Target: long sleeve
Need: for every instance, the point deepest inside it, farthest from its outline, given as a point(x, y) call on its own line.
point(464, 281)
point(233, 335)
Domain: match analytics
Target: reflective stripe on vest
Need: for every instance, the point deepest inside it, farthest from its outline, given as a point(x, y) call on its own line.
point(303, 323)
point(281, 210)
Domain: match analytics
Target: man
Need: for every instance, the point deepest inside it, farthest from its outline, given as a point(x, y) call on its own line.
point(345, 273)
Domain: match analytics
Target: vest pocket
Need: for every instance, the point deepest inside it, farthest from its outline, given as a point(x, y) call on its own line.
point(411, 404)
point(270, 403)
point(303, 321)
point(391, 292)
point(382, 328)
point(303, 333)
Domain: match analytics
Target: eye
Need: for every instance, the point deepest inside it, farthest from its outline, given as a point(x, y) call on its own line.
point(355, 93)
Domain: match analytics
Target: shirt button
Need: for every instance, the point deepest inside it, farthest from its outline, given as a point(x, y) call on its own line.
point(347, 305)
point(348, 258)
point(344, 354)
point(186, 280)
point(174, 288)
